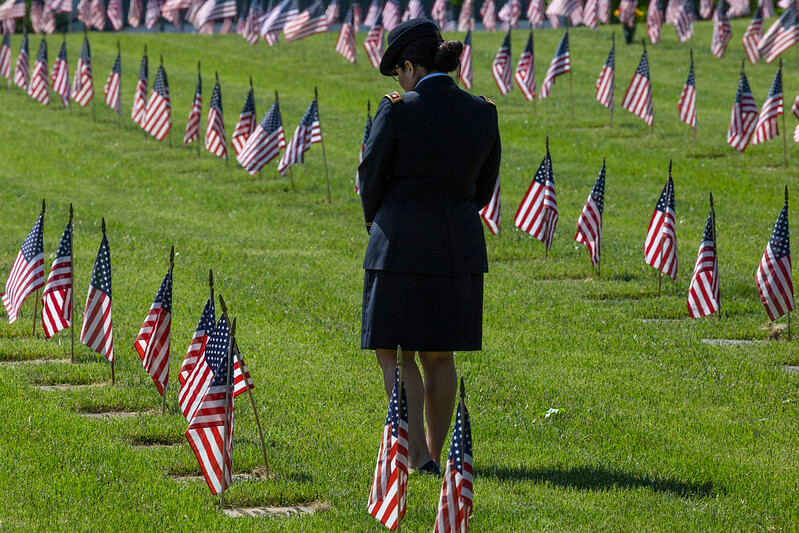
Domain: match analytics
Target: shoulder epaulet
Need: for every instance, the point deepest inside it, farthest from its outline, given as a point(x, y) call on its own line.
point(393, 97)
point(489, 101)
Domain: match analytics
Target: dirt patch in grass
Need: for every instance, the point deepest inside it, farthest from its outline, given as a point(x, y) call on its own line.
point(252, 475)
point(109, 415)
point(306, 509)
point(155, 441)
point(732, 342)
point(776, 332)
point(15, 362)
point(66, 386)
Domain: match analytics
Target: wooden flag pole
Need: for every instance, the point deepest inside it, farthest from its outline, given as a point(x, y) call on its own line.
point(716, 246)
point(36, 300)
point(72, 292)
point(399, 410)
point(571, 83)
point(198, 130)
point(249, 390)
point(291, 174)
point(324, 157)
point(113, 376)
point(166, 385)
point(546, 228)
point(228, 405)
point(784, 133)
point(144, 131)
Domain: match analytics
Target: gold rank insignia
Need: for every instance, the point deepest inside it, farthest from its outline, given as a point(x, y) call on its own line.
point(489, 101)
point(394, 97)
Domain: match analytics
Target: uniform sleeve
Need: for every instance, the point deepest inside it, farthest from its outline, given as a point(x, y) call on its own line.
point(377, 161)
point(489, 172)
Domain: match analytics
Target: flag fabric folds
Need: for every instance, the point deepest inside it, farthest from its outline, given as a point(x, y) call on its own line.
point(752, 36)
point(97, 330)
point(134, 13)
point(783, 34)
point(774, 277)
point(466, 61)
point(39, 88)
point(525, 70)
point(308, 132)
point(60, 75)
point(111, 88)
point(795, 111)
point(58, 296)
point(152, 13)
point(98, 14)
point(27, 272)
point(154, 338)
point(189, 395)
point(83, 82)
point(391, 15)
point(372, 13)
point(374, 44)
point(660, 247)
point(465, 22)
point(535, 12)
point(206, 431)
point(276, 19)
point(457, 498)
point(638, 98)
point(686, 105)
point(654, 20)
point(213, 10)
point(310, 22)
point(766, 127)
point(492, 212)
point(501, 68)
point(345, 44)
point(22, 70)
point(703, 292)
point(5, 57)
point(744, 116)
point(684, 23)
point(139, 111)
point(114, 14)
point(246, 124)
point(561, 64)
point(606, 81)
point(215, 138)
point(265, 143)
point(538, 212)
point(158, 116)
point(722, 32)
point(488, 15)
point(589, 225)
point(193, 125)
point(387, 497)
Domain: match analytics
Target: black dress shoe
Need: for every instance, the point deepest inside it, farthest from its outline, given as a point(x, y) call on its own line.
point(430, 467)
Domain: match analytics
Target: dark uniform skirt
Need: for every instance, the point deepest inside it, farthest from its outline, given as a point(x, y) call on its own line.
point(422, 312)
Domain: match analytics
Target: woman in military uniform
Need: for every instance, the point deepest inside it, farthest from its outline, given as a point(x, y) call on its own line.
point(430, 164)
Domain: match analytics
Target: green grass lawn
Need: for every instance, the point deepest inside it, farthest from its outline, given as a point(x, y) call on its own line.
point(656, 430)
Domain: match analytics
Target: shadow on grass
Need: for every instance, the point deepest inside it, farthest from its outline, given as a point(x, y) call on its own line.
point(598, 479)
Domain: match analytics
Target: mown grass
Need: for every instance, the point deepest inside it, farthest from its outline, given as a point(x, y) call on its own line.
point(655, 430)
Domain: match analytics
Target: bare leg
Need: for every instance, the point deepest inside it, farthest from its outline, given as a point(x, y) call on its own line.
point(418, 453)
point(440, 388)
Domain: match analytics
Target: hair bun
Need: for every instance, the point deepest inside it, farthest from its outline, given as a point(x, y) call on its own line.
point(448, 56)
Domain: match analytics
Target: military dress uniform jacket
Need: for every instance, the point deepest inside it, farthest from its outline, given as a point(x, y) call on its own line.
point(430, 164)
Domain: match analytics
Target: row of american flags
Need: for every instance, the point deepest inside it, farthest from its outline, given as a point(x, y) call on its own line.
point(203, 375)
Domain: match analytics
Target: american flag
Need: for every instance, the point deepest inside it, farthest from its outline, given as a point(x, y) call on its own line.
point(250, 30)
point(5, 57)
point(331, 13)
point(193, 125)
point(415, 10)
point(606, 81)
point(739, 8)
point(564, 8)
point(604, 11)
point(705, 8)
point(98, 14)
point(374, 44)
point(48, 20)
point(215, 10)
point(97, 331)
point(189, 394)
point(152, 13)
point(356, 16)
point(308, 132)
point(57, 298)
point(589, 225)
point(60, 74)
point(170, 10)
point(538, 212)
point(774, 277)
point(372, 13)
point(208, 422)
point(744, 116)
point(134, 13)
point(60, 6)
point(654, 20)
point(492, 212)
point(721, 31)
point(111, 88)
point(766, 127)
point(501, 68)
point(627, 12)
point(39, 88)
point(591, 14)
point(391, 471)
point(672, 8)
point(439, 12)
point(703, 292)
point(525, 70)
point(12, 9)
point(489, 15)
point(780, 36)
point(660, 247)
point(36, 16)
point(158, 117)
point(154, 338)
point(535, 12)
point(345, 44)
point(752, 36)
point(215, 138)
point(768, 8)
point(367, 129)
point(27, 272)
point(310, 22)
point(276, 19)
point(246, 124)
point(561, 64)
point(509, 14)
point(687, 103)
point(466, 61)
point(456, 502)
point(638, 98)
point(114, 13)
point(22, 70)
point(264, 143)
point(85, 13)
point(795, 111)
point(391, 15)
point(82, 83)
point(465, 22)
point(191, 14)
point(139, 111)
point(684, 23)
